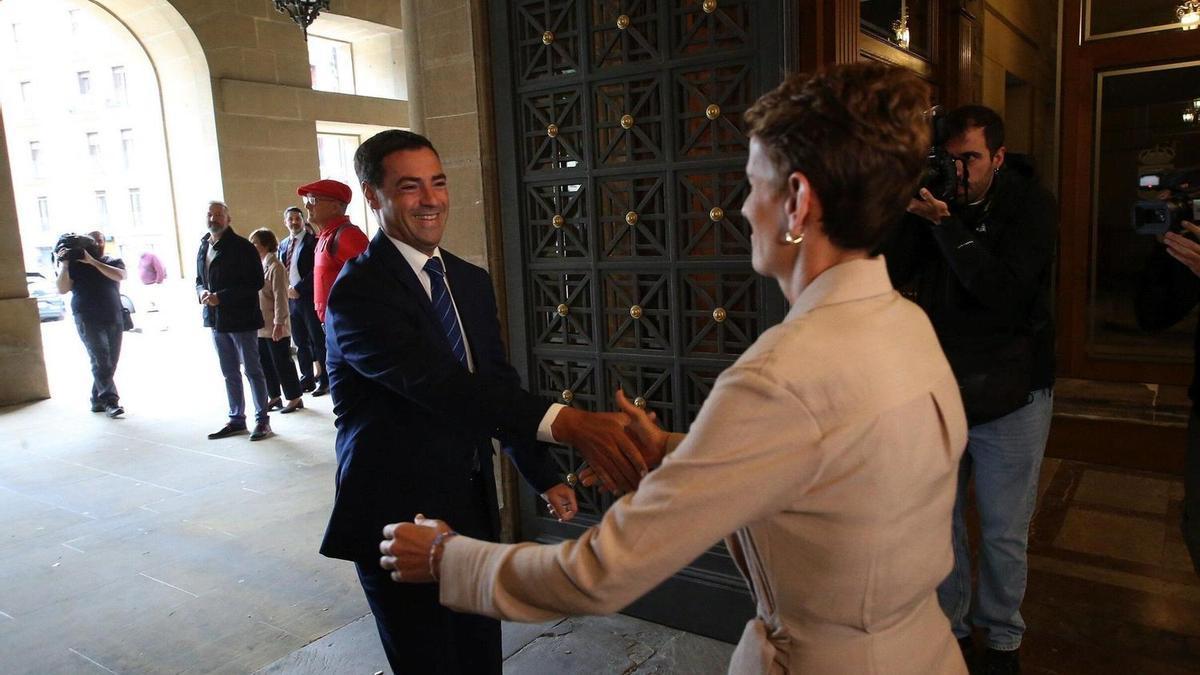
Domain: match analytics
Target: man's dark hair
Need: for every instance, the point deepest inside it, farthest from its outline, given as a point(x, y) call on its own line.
point(297, 209)
point(960, 120)
point(368, 159)
point(858, 133)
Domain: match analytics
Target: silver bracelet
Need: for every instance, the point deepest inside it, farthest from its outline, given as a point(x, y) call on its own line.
point(438, 541)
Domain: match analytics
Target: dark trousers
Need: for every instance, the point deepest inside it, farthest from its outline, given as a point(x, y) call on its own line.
point(1191, 490)
point(278, 368)
point(310, 339)
point(419, 635)
point(102, 340)
point(239, 350)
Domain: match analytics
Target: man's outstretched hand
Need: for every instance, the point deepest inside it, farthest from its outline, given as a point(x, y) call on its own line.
point(651, 440)
point(601, 439)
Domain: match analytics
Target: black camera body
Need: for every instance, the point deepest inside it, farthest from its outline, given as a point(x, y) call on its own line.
point(941, 169)
point(75, 245)
point(1179, 200)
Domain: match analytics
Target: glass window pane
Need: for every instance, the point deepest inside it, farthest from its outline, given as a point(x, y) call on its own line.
point(1106, 17)
point(331, 64)
point(1142, 129)
point(881, 18)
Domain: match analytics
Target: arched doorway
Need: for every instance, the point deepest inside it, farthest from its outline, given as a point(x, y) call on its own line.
point(110, 124)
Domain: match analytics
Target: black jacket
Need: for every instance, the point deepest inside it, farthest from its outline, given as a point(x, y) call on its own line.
point(305, 249)
point(1166, 292)
point(411, 420)
point(236, 276)
point(983, 275)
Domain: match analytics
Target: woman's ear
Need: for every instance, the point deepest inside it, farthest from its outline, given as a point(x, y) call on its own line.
point(798, 201)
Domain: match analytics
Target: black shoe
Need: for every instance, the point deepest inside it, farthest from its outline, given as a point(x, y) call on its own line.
point(114, 411)
point(275, 404)
point(262, 430)
point(231, 429)
point(97, 407)
point(996, 662)
point(292, 406)
point(307, 385)
point(320, 391)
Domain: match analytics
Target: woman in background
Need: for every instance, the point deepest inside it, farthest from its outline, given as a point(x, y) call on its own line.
point(274, 343)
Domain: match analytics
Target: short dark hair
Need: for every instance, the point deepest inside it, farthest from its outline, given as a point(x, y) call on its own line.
point(977, 117)
point(368, 159)
point(266, 237)
point(297, 209)
point(859, 134)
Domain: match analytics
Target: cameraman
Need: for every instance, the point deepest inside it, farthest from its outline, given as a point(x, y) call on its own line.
point(1169, 289)
point(979, 264)
point(95, 280)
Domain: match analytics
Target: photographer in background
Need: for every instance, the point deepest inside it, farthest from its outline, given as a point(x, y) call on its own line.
point(1168, 290)
point(977, 258)
point(94, 280)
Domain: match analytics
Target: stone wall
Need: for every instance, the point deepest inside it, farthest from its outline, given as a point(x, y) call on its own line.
point(21, 357)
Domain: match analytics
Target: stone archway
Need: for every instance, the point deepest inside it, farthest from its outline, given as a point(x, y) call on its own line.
point(189, 119)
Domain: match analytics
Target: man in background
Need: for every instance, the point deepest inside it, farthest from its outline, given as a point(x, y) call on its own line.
point(94, 281)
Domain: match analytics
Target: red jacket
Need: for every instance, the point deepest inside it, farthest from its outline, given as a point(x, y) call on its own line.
point(340, 241)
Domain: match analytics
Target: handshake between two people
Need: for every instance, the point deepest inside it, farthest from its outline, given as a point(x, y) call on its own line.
point(620, 448)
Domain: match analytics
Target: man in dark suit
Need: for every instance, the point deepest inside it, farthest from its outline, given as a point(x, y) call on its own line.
point(420, 386)
point(296, 254)
point(229, 275)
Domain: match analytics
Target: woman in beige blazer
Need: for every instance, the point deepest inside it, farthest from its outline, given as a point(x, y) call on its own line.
point(827, 453)
point(274, 338)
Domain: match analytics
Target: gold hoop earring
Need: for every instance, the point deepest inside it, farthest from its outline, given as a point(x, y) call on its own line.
point(789, 239)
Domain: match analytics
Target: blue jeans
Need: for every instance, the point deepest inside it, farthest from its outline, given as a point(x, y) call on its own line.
point(102, 340)
point(241, 349)
point(1004, 457)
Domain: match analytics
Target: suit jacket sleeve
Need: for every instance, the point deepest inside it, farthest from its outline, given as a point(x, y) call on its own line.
point(532, 458)
point(753, 449)
point(386, 340)
point(305, 264)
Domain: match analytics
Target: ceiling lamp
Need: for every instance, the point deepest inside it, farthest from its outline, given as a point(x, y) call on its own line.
point(1189, 115)
point(304, 12)
point(900, 27)
point(1189, 14)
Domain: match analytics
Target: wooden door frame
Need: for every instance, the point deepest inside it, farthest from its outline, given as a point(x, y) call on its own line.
point(1081, 62)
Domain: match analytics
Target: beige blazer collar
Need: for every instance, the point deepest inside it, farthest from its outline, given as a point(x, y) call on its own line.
point(854, 280)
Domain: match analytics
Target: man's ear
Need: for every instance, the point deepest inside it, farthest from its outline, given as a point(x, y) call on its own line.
point(998, 158)
point(370, 195)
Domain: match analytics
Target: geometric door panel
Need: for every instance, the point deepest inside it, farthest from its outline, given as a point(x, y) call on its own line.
point(622, 155)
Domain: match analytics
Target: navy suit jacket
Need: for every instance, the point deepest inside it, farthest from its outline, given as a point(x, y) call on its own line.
point(305, 249)
point(410, 417)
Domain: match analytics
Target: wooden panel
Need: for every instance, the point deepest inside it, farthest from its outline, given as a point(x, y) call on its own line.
point(1130, 445)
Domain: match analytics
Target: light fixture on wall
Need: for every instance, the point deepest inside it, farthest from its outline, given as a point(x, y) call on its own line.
point(303, 12)
point(900, 27)
point(1188, 116)
point(1189, 14)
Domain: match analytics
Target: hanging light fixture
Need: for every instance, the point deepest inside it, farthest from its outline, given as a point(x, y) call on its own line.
point(1188, 115)
point(1189, 14)
point(303, 12)
point(900, 26)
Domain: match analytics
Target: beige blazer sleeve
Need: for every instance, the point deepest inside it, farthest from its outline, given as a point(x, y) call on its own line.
point(751, 451)
point(278, 280)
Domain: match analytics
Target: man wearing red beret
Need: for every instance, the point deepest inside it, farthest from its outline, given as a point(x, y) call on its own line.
point(338, 240)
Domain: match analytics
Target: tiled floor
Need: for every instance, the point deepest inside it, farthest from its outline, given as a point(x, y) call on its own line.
point(137, 546)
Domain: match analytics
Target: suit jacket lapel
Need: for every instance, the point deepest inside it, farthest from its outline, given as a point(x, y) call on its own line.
point(384, 251)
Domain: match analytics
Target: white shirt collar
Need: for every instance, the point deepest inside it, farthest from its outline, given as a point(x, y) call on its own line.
point(415, 258)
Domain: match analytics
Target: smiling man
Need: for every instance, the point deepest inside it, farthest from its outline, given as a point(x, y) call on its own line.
point(420, 386)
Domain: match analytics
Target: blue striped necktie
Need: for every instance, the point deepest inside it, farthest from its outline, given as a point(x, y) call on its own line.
point(443, 307)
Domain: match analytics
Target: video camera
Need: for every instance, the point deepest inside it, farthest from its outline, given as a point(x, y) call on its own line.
point(941, 170)
point(1179, 200)
point(75, 245)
